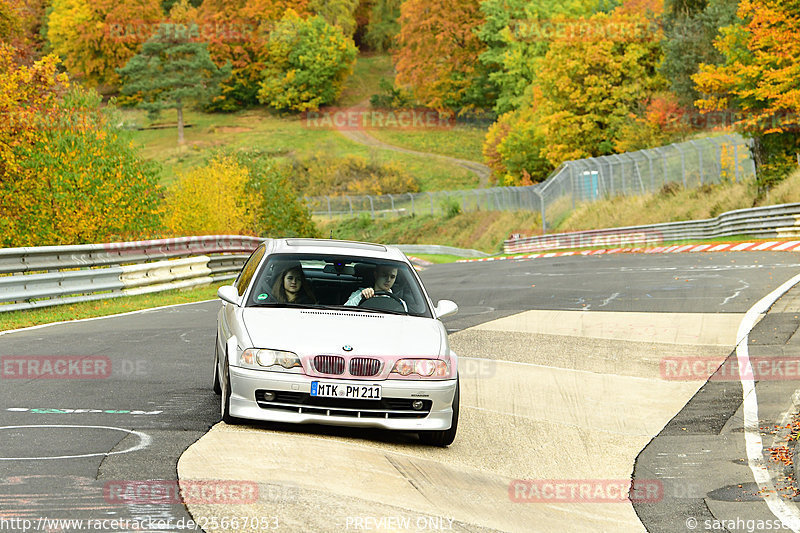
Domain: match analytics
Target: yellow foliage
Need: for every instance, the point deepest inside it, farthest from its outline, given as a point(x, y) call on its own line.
point(211, 200)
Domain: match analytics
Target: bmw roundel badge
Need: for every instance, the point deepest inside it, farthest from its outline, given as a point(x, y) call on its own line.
point(347, 348)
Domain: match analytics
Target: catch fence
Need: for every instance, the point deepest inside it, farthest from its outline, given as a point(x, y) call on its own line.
point(688, 164)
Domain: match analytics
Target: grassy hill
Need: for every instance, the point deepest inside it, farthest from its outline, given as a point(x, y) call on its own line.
point(292, 135)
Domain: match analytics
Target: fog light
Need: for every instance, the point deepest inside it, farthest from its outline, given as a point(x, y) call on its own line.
point(269, 396)
point(417, 405)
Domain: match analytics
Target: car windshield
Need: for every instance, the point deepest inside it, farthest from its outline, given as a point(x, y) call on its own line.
point(325, 281)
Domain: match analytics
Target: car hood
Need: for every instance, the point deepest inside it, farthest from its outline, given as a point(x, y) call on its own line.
point(311, 331)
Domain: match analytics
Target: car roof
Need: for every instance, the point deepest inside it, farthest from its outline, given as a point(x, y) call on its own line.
point(336, 247)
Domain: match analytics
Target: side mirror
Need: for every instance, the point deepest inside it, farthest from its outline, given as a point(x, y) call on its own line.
point(228, 293)
point(445, 308)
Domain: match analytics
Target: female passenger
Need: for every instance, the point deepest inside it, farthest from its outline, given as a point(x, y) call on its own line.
point(291, 287)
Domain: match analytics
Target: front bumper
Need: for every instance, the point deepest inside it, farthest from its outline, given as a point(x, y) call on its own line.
point(246, 384)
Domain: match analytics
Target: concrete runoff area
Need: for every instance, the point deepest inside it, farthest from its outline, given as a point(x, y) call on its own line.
point(549, 400)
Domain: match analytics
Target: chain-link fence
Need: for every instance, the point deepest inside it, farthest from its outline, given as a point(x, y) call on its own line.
point(690, 164)
point(438, 202)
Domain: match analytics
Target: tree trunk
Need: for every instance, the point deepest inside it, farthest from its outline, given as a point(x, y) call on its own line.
point(180, 123)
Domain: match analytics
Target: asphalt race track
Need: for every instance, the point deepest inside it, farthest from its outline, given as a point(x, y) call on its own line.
point(564, 385)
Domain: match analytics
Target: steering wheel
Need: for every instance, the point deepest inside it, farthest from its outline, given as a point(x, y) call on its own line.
point(379, 306)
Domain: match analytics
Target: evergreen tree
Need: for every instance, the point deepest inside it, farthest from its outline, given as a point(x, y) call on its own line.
point(690, 28)
point(172, 71)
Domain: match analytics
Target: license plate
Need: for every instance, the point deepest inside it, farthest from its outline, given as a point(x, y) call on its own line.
point(342, 390)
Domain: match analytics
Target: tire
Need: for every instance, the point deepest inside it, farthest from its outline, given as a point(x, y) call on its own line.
point(444, 437)
point(216, 386)
point(225, 400)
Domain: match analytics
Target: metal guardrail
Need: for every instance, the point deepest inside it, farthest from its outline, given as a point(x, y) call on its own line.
point(778, 221)
point(436, 249)
point(54, 275)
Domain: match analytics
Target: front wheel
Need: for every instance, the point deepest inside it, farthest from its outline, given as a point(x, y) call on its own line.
point(225, 400)
point(216, 386)
point(444, 437)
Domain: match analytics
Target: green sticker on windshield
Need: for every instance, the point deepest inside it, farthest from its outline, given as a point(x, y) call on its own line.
point(263, 296)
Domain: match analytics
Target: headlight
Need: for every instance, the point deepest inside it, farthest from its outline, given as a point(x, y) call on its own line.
point(274, 360)
point(427, 368)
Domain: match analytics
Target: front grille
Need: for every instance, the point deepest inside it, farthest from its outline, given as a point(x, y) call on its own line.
point(304, 403)
point(329, 364)
point(364, 366)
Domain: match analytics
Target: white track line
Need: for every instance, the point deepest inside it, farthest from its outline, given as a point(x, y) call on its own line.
point(789, 515)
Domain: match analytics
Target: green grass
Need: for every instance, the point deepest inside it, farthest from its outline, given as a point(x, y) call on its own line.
point(281, 136)
point(363, 83)
point(462, 142)
point(286, 135)
point(438, 258)
point(479, 230)
point(59, 313)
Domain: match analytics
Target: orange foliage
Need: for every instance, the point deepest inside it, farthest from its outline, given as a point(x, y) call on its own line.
point(95, 37)
point(438, 49)
point(237, 32)
point(762, 74)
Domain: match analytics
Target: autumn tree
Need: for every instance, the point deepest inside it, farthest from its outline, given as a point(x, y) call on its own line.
point(172, 72)
point(595, 80)
point(759, 82)
point(9, 21)
point(243, 192)
point(339, 13)
point(517, 35)
point(67, 175)
point(96, 37)
point(211, 199)
point(237, 32)
point(592, 84)
point(21, 25)
point(436, 52)
point(514, 149)
point(309, 61)
point(280, 212)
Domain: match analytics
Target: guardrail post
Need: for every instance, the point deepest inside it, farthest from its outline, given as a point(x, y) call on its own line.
point(371, 206)
point(410, 195)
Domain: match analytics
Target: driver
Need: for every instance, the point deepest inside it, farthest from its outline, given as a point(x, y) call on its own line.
point(385, 277)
